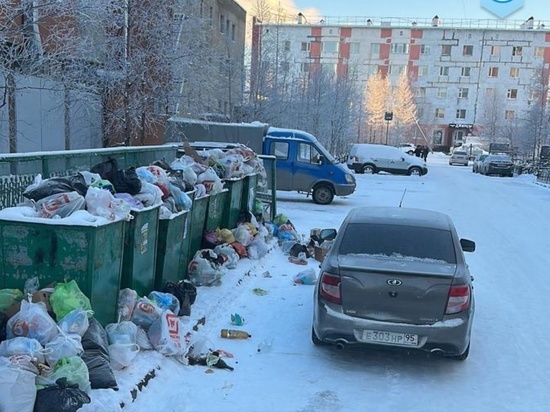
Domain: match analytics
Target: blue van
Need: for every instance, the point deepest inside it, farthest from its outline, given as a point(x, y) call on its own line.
point(304, 165)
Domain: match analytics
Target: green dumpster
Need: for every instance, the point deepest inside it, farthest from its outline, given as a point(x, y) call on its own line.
point(172, 249)
point(233, 209)
point(198, 223)
point(249, 192)
point(140, 250)
point(53, 252)
point(217, 205)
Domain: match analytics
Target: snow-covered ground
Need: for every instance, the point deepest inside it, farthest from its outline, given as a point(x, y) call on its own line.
point(508, 368)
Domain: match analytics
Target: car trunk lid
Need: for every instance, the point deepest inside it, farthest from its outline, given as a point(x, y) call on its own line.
point(406, 290)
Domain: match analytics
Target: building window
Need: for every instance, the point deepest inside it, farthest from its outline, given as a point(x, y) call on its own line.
point(493, 71)
point(329, 68)
point(439, 113)
point(400, 48)
point(233, 32)
point(211, 13)
point(285, 66)
point(222, 22)
point(330, 46)
point(460, 113)
point(425, 49)
point(444, 71)
point(539, 51)
point(446, 50)
point(463, 93)
point(442, 92)
point(495, 50)
point(304, 67)
point(517, 50)
point(437, 137)
point(512, 94)
point(396, 69)
point(305, 46)
point(509, 114)
point(514, 72)
point(286, 45)
point(533, 95)
point(465, 71)
point(468, 50)
point(422, 71)
point(490, 92)
point(375, 49)
point(227, 26)
point(355, 47)
point(421, 92)
point(372, 69)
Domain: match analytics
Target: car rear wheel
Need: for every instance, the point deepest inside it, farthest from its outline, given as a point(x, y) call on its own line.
point(323, 195)
point(415, 171)
point(316, 341)
point(368, 169)
point(463, 356)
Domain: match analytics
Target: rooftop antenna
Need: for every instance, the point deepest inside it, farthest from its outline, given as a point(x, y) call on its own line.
point(402, 197)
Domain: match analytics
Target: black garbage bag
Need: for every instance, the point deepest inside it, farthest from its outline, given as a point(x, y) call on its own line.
point(186, 292)
point(298, 248)
point(99, 369)
point(55, 185)
point(124, 181)
point(61, 397)
point(96, 357)
point(3, 326)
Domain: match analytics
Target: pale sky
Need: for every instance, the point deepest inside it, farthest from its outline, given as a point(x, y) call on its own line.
point(455, 9)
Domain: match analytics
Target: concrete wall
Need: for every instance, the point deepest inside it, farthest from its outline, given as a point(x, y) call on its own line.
point(40, 117)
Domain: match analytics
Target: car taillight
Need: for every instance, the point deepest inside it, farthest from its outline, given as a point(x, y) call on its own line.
point(459, 299)
point(330, 288)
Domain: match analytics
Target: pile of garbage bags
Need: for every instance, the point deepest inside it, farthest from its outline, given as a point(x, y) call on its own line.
point(53, 350)
point(223, 248)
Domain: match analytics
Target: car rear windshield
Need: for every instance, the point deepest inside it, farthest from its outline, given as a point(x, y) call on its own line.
point(398, 241)
point(460, 153)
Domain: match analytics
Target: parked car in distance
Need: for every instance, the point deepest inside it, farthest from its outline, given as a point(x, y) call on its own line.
point(477, 161)
point(396, 277)
point(408, 148)
point(374, 158)
point(498, 164)
point(459, 157)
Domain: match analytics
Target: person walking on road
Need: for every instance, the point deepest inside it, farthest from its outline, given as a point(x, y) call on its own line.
point(425, 151)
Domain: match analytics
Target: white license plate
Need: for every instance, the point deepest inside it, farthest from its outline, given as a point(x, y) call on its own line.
point(390, 338)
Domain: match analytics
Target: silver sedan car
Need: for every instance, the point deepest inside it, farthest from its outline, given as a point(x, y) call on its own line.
point(459, 157)
point(396, 277)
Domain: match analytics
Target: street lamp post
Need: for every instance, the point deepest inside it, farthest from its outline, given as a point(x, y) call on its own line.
point(388, 117)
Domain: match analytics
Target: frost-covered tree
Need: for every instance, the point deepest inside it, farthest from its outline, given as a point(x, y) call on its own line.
point(377, 102)
point(404, 110)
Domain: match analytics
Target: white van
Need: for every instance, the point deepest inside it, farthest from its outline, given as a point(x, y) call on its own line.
point(374, 158)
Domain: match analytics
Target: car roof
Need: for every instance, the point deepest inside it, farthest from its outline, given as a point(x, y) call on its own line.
point(393, 215)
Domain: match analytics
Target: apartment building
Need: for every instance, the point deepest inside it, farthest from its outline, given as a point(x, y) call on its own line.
point(470, 77)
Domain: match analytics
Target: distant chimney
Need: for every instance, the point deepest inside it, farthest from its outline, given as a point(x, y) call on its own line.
point(300, 18)
point(436, 21)
point(369, 22)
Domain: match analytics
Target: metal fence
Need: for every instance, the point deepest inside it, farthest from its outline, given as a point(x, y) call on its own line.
point(18, 171)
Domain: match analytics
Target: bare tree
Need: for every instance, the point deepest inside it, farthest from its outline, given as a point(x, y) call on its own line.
point(538, 116)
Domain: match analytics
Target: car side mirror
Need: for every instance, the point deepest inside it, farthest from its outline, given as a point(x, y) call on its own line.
point(327, 234)
point(468, 245)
